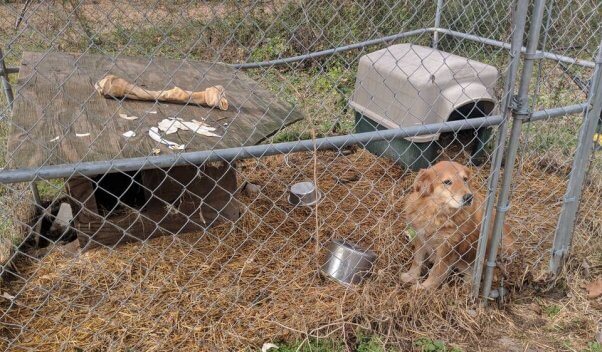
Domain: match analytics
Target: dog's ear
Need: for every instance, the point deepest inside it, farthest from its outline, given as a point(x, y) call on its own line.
point(424, 182)
point(468, 172)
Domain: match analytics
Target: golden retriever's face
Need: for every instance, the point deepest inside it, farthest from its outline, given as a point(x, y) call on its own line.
point(447, 183)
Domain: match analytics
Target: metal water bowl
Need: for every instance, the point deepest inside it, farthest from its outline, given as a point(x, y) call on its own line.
point(347, 263)
point(305, 194)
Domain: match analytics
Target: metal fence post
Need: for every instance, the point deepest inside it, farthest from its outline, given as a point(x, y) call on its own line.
point(437, 23)
point(570, 205)
point(520, 19)
point(520, 113)
point(8, 92)
point(5, 83)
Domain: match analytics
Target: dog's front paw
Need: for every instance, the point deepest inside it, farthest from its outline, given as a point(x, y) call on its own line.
point(408, 278)
point(423, 286)
point(419, 286)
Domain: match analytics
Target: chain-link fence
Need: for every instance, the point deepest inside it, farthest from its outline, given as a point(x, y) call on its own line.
point(342, 175)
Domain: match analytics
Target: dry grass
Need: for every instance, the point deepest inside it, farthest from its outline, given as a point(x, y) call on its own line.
point(240, 285)
point(20, 211)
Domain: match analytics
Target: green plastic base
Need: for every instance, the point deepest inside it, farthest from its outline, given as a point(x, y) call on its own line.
point(415, 156)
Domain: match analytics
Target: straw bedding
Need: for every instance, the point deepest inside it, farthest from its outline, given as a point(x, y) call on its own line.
point(256, 281)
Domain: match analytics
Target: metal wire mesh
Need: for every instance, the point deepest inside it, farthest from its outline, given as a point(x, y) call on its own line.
point(174, 223)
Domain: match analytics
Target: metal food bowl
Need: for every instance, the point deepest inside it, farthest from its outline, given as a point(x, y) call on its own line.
point(347, 263)
point(304, 193)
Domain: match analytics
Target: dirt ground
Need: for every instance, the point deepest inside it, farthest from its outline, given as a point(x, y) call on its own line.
point(238, 286)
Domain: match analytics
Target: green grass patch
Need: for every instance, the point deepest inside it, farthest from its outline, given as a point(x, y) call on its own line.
point(429, 345)
point(365, 344)
point(552, 310)
point(593, 346)
point(311, 346)
point(51, 189)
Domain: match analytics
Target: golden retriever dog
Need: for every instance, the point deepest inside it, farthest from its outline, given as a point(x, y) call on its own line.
point(445, 216)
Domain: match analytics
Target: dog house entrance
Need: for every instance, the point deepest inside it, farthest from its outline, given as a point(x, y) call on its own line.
point(122, 207)
point(474, 140)
point(117, 192)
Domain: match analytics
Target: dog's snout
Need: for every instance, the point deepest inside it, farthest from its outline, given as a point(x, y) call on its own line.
point(467, 199)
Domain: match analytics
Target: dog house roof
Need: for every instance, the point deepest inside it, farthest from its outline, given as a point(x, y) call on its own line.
point(407, 85)
point(57, 101)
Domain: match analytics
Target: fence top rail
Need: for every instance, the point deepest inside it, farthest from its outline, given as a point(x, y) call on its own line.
point(363, 44)
point(256, 151)
point(359, 45)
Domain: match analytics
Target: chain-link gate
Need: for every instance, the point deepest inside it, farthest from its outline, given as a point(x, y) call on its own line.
point(301, 175)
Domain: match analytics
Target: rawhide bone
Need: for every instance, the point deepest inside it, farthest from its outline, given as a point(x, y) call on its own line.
point(113, 86)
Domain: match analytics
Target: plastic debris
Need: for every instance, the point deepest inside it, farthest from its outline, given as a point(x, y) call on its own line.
point(129, 134)
point(125, 116)
point(54, 139)
point(251, 189)
point(156, 136)
point(203, 129)
point(169, 126)
point(63, 218)
point(82, 134)
point(172, 125)
point(268, 346)
point(8, 296)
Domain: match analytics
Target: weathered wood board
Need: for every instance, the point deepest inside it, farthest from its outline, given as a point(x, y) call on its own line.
point(56, 98)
